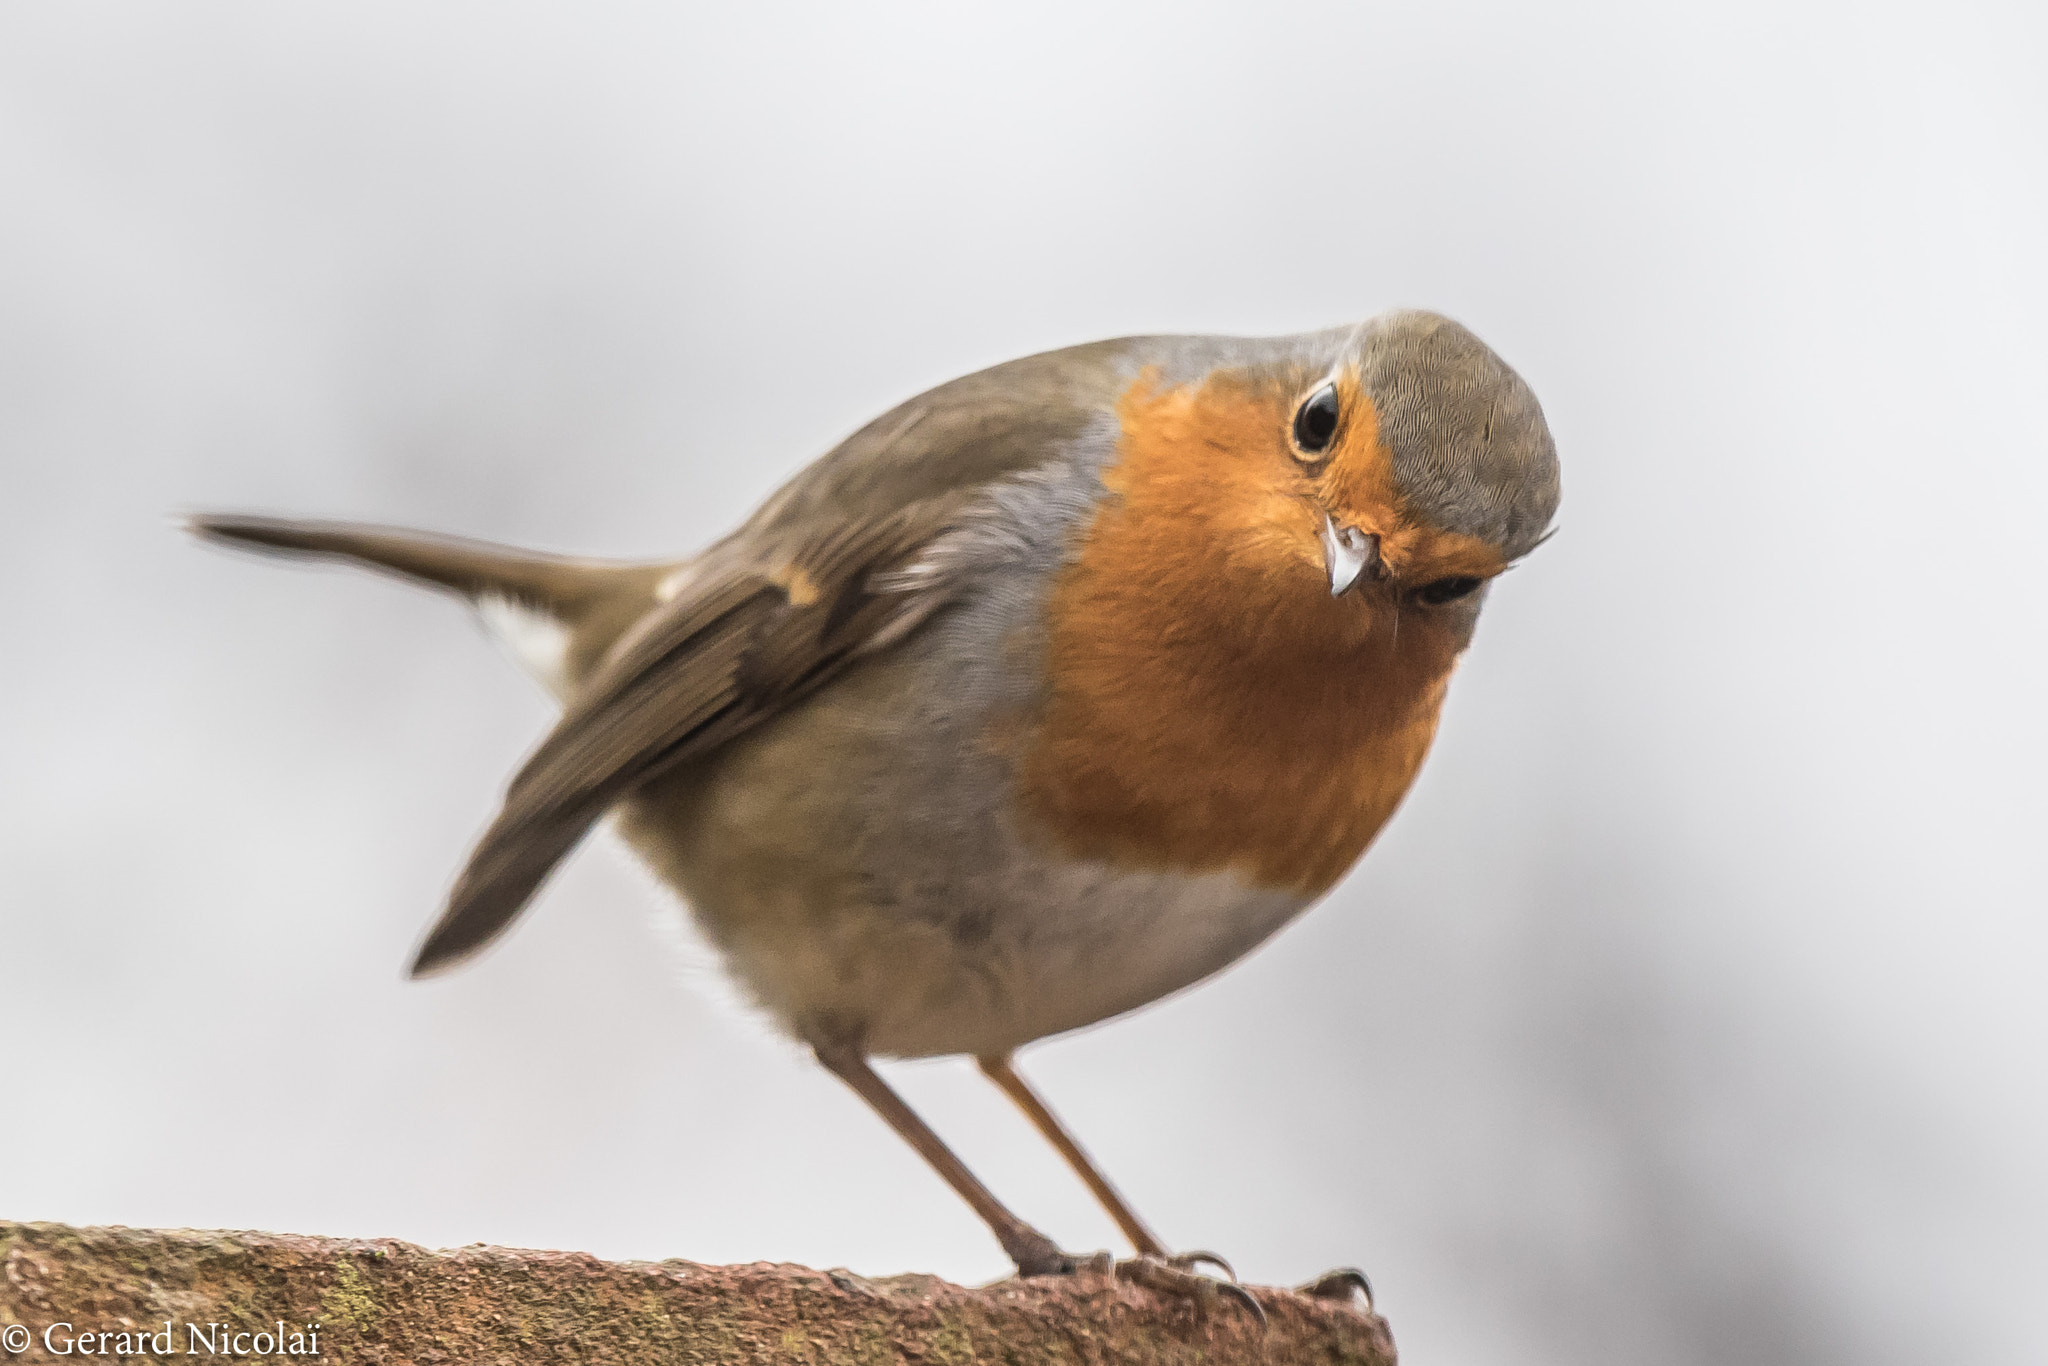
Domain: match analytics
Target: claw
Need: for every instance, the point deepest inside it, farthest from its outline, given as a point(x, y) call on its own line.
point(1188, 1261)
point(1244, 1297)
point(1338, 1285)
point(1160, 1274)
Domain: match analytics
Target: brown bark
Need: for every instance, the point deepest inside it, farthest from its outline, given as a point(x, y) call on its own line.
point(390, 1303)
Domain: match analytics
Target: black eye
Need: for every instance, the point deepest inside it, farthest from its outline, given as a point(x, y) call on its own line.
point(1315, 422)
point(1441, 591)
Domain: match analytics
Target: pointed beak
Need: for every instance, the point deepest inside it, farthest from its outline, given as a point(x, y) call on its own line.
point(1350, 554)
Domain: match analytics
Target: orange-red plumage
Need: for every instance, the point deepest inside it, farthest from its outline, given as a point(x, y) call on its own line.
point(1244, 718)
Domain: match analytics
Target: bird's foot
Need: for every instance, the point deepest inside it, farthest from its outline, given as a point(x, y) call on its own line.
point(1173, 1276)
point(1176, 1276)
point(1339, 1285)
point(1037, 1255)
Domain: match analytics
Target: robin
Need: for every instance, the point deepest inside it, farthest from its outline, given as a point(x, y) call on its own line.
point(1044, 695)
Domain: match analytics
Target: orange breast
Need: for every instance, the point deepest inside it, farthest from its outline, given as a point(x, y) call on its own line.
point(1211, 705)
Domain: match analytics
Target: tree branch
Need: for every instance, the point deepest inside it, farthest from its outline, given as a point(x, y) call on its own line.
point(391, 1303)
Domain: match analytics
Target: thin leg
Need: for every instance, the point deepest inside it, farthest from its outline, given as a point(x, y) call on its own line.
point(1033, 1252)
point(999, 1071)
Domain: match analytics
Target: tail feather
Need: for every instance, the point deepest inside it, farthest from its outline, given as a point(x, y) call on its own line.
point(475, 569)
point(555, 615)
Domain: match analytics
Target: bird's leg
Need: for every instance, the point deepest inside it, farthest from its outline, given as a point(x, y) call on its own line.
point(1153, 1267)
point(1033, 1252)
point(999, 1071)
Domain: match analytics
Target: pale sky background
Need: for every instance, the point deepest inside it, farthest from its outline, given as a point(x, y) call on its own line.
point(1693, 1010)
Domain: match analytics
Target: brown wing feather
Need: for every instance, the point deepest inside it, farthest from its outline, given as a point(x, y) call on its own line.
point(736, 650)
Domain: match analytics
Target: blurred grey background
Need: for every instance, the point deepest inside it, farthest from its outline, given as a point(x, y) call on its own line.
point(1693, 1009)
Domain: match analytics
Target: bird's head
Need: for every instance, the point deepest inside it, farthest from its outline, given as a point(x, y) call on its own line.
point(1335, 486)
point(1424, 462)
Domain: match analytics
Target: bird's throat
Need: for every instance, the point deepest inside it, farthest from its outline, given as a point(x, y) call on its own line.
point(1210, 706)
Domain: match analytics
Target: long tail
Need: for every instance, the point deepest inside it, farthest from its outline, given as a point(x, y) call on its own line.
point(553, 612)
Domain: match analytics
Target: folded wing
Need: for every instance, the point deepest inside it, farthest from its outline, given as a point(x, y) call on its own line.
point(738, 645)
